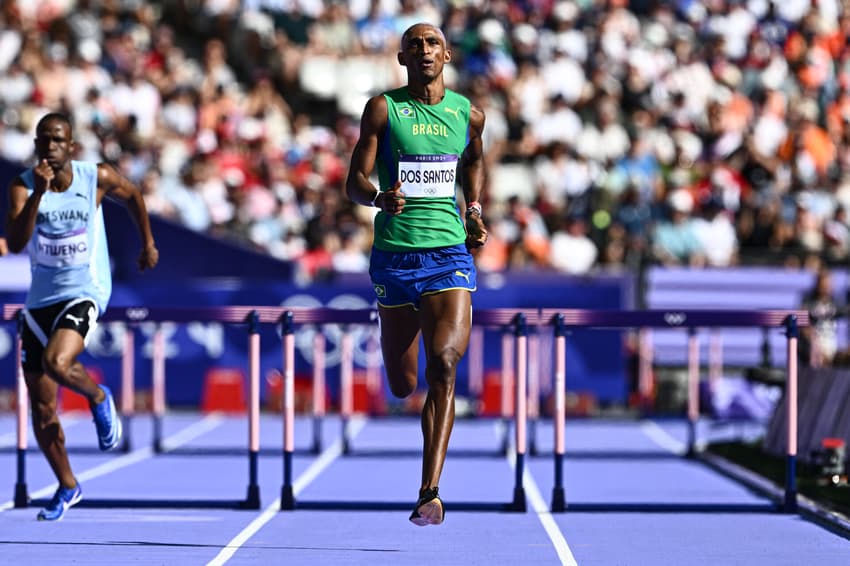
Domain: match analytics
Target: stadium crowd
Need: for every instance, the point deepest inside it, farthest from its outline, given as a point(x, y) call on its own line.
point(619, 133)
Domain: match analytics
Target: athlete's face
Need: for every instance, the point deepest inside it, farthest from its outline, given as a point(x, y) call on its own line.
point(424, 51)
point(53, 142)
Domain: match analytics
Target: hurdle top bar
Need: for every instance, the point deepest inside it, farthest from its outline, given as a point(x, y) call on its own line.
point(670, 318)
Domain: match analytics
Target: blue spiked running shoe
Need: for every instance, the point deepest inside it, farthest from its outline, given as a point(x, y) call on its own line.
point(63, 499)
point(107, 422)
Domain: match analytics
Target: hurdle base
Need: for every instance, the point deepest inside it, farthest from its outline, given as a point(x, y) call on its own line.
point(559, 500)
point(346, 440)
point(506, 442)
point(789, 503)
point(287, 498)
point(519, 503)
point(252, 499)
point(317, 435)
point(22, 498)
point(157, 434)
point(126, 443)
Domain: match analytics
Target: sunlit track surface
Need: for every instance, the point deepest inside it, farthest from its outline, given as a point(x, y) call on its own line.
point(625, 480)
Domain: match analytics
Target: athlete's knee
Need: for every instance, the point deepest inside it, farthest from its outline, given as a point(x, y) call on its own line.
point(442, 367)
point(57, 364)
point(402, 385)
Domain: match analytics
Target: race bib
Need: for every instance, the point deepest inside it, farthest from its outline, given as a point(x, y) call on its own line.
point(427, 175)
point(60, 250)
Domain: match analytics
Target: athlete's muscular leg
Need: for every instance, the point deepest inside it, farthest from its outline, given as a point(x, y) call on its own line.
point(46, 426)
point(446, 322)
point(60, 363)
point(400, 347)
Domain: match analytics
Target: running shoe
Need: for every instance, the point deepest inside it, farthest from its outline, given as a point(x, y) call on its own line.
point(62, 500)
point(429, 509)
point(107, 422)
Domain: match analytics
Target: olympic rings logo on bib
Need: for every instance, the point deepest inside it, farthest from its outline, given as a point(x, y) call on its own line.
point(427, 175)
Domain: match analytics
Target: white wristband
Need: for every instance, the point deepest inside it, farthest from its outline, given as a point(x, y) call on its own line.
point(473, 206)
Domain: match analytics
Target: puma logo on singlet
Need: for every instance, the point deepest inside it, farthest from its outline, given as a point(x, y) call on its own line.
point(464, 275)
point(75, 319)
point(453, 111)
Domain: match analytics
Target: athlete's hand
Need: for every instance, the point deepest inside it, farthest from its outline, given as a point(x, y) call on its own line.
point(476, 232)
point(392, 201)
point(43, 176)
point(148, 258)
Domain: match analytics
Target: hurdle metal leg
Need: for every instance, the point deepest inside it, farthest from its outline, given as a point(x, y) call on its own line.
point(287, 497)
point(318, 388)
point(346, 387)
point(128, 391)
point(693, 389)
point(790, 500)
point(252, 498)
point(558, 503)
point(508, 338)
point(158, 387)
point(21, 494)
point(521, 333)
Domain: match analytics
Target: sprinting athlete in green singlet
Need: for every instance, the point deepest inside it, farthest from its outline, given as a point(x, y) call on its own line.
point(421, 148)
point(424, 140)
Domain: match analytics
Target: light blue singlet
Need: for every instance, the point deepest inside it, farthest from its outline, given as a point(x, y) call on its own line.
point(68, 253)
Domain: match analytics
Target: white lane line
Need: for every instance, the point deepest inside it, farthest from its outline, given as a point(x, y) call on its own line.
point(10, 439)
point(663, 438)
point(319, 465)
point(532, 491)
point(191, 432)
point(182, 437)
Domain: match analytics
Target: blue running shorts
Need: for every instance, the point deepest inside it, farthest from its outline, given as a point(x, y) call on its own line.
point(401, 278)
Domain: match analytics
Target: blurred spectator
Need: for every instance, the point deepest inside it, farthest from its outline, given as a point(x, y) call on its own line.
point(352, 255)
point(675, 241)
point(571, 250)
point(715, 233)
point(186, 199)
point(836, 236)
point(820, 338)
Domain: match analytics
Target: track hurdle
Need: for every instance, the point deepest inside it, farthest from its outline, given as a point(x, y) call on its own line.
point(561, 320)
point(250, 316)
point(516, 319)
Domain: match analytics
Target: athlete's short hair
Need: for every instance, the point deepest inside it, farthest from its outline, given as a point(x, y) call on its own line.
point(432, 26)
point(54, 116)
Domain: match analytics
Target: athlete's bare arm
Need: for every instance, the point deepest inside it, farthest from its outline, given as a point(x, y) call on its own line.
point(358, 187)
point(114, 185)
point(23, 210)
point(472, 177)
